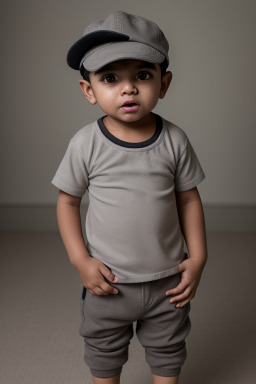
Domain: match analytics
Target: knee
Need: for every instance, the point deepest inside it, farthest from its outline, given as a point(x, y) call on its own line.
point(166, 361)
point(105, 362)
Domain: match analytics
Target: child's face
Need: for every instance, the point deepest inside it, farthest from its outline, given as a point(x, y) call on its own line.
point(133, 81)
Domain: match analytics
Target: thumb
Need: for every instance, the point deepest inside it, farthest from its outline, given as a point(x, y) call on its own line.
point(181, 267)
point(108, 274)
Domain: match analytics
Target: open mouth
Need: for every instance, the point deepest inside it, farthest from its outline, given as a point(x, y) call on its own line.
point(129, 104)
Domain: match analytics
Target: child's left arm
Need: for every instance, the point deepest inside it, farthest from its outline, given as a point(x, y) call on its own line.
point(192, 224)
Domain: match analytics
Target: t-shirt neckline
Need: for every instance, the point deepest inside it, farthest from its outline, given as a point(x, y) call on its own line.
point(126, 144)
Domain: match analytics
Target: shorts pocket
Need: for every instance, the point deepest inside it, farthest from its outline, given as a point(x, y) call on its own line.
point(82, 302)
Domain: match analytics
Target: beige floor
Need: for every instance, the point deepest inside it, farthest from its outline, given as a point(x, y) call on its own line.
point(39, 319)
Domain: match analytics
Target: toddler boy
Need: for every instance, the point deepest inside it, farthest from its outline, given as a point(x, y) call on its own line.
point(141, 173)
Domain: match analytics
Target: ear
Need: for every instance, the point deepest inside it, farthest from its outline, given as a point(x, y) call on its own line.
point(165, 82)
point(87, 91)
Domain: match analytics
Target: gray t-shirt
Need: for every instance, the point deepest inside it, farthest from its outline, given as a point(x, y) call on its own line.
point(132, 223)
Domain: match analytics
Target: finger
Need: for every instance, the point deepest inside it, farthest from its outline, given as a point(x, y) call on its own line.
point(189, 298)
point(180, 288)
point(183, 303)
point(108, 288)
point(181, 297)
point(99, 292)
point(96, 291)
point(108, 274)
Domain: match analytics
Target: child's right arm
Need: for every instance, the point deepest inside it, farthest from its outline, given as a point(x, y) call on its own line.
point(91, 271)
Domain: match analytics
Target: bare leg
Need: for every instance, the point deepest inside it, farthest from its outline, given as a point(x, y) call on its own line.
point(165, 380)
point(106, 380)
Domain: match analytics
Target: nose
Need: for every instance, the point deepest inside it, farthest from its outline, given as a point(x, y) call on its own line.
point(128, 88)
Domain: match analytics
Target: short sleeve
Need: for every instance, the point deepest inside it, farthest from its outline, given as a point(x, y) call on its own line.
point(72, 175)
point(189, 172)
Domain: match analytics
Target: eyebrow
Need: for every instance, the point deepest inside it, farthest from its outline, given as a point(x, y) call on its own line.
point(141, 66)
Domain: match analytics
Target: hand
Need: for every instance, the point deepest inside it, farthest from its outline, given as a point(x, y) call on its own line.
point(92, 273)
point(191, 271)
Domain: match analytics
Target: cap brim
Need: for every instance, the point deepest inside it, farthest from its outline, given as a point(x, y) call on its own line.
point(90, 41)
point(105, 54)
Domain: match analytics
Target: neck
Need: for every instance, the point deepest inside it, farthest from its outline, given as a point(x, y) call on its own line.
point(146, 123)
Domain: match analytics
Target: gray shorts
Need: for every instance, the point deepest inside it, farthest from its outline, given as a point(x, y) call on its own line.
point(107, 327)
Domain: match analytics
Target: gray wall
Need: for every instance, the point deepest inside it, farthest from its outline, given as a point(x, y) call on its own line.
point(212, 95)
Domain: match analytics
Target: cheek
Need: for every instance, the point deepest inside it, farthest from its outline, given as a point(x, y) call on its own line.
point(152, 96)
point(106, 95)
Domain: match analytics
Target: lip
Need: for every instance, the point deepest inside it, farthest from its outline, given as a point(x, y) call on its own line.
point(129, 102)
point(130, 108)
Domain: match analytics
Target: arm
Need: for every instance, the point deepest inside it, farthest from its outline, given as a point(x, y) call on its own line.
point(192, 225)
point(91, 271)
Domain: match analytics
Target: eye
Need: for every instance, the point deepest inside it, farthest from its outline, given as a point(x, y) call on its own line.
point(143, 75)
point(109, 78)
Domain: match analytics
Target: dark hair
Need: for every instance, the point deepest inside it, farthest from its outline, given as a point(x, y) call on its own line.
point(85, 73)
